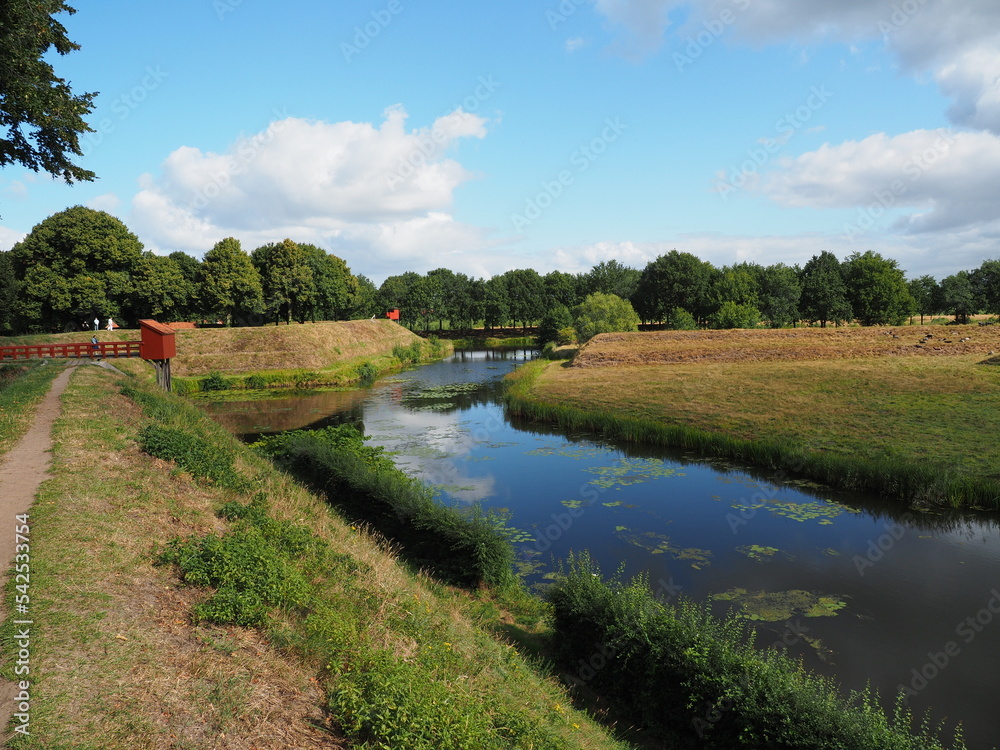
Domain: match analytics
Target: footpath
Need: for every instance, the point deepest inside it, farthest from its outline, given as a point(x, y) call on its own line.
point(22, 471)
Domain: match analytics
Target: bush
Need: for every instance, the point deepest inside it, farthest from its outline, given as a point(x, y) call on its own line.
point(255, 382)
point(214, 382)
point(465, 548)
point(367, 372)
point(732, 315)
point(681, 320)
point(688, 677)
point(411, 354)
point(604, 313)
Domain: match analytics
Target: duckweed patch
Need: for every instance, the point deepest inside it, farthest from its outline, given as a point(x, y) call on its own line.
point(825, 510)
point(659, 544)
point(757, 552)
point(776, 606)
point(628, 471)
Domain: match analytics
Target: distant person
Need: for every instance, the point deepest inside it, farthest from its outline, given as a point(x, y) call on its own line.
point(111, 324)
point(97, 323)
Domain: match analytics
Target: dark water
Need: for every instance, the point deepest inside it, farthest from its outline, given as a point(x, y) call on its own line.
point(857, 588)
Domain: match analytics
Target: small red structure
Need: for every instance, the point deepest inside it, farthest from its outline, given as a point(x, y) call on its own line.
point(393, 314)
point(157, 340)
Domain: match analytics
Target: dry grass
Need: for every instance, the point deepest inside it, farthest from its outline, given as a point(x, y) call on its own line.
point(118, 662)
point(311, 346)
point(676, 347)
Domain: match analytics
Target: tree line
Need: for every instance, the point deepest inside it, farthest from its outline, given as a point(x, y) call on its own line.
point(81, 263)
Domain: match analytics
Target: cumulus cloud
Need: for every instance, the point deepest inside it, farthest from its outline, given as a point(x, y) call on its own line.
point(10, 237)
point(383, 191)
point(955, 41)
point(949, 178)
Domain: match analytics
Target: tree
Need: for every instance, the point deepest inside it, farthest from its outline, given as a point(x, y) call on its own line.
point(496, 302)
point(924, 292)
point(365, 303)
point(674, 280)
point(957, 296)
point(190, 268)
point(555, 319)
point(604, 313)
point(73, 266)
point(561, 288)
point(986, 286)
point(161, 289)
point(780, 293)
point(399, 292)
point(824, 295)
point(286, 279)
point(335, 285)
point(739, 284)
point(229, 286)
point(9, 287)
point(876, 289)
point(525, 295)
point(610, 277)
point(42, 117)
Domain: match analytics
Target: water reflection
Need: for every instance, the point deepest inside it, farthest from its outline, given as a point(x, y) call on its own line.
point(700, 528)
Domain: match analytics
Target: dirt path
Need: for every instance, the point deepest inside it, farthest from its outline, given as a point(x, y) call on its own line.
point(22, 471)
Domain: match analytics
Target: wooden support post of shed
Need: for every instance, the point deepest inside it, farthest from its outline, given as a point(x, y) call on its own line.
point(158, 346)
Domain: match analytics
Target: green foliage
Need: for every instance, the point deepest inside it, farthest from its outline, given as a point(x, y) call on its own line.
point(556, 319)
point(924, 291)
point(687, 677)
point(604, 313)
point(877, 290)
point(41, 116)
point(956, 296)
point(824, 294)
point(680, 319)
point(610, 277)
point(463, 547)
point(214, 382)
point(287, 280)
point(411, 353)
point(674, 280)
point(367, 372)
point(780, 293)
point(162, 291)
point(733, 315)
point(193, 453)
point(335, 285)
point(255, 382)
point(73, 266)
point(229, 286)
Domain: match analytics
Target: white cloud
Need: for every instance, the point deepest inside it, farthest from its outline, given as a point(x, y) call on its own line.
point(950, 178)
point(572, 45)
point(381, 193)
point(10, 237)
point(639, 23)
point(107, 202)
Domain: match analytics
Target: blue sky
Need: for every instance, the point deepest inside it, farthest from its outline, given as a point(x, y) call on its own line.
point(409, 135)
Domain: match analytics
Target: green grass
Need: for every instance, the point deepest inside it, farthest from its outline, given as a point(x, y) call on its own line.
point(918, 429)
point(142, 565)
point(22, 387)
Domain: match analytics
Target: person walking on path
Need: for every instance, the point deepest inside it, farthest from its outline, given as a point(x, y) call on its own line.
point(111, 324)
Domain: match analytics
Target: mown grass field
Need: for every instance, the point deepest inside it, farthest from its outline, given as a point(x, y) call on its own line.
point(119, 660)
point(854, 393)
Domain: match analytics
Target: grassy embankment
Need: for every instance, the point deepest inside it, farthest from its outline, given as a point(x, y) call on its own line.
point(350, 647)
point(310, 355)
point(854, 408)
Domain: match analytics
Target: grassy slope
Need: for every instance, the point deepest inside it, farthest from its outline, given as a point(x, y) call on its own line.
point(21, 388)
point(930, 409)
point(117, 661)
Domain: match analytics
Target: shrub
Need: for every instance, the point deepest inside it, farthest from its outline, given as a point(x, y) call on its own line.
point(732, 315)
point(466, 548)
point(680, 319)
point(214, 382)
point(367, 372)
point(255, 382)
point(604, 313)
point(688, 677)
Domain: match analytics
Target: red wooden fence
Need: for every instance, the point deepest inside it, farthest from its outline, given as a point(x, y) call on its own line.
point(105, 349)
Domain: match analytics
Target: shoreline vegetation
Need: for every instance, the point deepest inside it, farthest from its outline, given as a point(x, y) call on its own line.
point(185, 587)
point(845, 409)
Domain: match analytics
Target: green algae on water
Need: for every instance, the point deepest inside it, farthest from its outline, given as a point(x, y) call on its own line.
point(775, 606)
